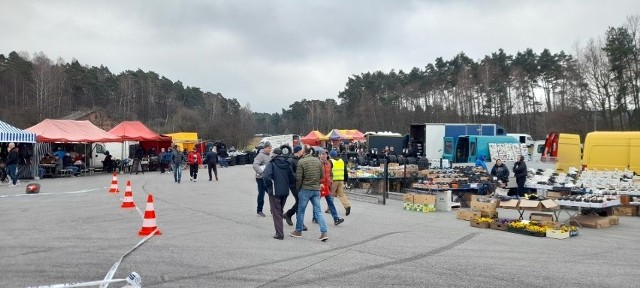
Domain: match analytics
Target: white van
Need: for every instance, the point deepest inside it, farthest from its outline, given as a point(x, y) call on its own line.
point(523, 138)
point(99, 150)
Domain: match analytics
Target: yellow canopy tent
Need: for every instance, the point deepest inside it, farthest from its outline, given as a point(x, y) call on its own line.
point(184, 140)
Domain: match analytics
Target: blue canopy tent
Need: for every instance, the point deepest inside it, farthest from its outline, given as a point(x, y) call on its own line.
point(9, 133)
point(22, 138)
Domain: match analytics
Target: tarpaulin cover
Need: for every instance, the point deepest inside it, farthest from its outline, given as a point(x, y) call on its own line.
point(50, 130)
point(136, 131)
point(9, 133)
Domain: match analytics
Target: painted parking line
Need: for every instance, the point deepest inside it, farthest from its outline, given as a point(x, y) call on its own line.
point(50, 193)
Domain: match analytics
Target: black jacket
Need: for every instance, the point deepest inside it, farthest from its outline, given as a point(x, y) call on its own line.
point(211, 158)
point(278, 177)
point(501, 172)
point(12, 158)
point(520, 169)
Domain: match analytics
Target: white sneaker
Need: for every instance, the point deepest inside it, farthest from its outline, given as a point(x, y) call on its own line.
point(194, 180)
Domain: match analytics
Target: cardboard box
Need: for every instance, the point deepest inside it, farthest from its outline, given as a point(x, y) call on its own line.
point(614, 220)
point(551, 224)
point(462, 214)
point(557, 234)
point(365, 185)
point(541, 217)
point(486, 214)
point(534, 205)
point(626, 211)
point(555, 195)
point(484, 207)
point(408, 198)
point(424, 199)
point(499, 226)
point(467, 215)
point(589, 221)
point(511, 204)
point(481, 225)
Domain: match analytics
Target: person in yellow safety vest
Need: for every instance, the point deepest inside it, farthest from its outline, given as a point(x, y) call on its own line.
point(339, 175)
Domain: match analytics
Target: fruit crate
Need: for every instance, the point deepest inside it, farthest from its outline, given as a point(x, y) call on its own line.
point(526, 232)
point(499, 226)
point(557, 234)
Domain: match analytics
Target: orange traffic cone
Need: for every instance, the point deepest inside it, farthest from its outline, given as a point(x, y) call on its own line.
point(128, 197)
point(149, 222)
point(114, 184)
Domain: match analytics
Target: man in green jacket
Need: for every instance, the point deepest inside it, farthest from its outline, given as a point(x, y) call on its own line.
point(308, 175)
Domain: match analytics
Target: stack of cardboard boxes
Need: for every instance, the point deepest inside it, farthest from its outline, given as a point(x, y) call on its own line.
point(625, 208)
point(419, 202)
point(478, 209)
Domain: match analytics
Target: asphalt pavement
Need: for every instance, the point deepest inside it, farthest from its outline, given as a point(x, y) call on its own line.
point(74, 231)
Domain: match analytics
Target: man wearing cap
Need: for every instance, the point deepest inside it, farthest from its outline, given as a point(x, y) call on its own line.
point(192, 159)
point(259, 163)
point(298, 152)
point(340, 174)
point(278, 179)
point(308, 175)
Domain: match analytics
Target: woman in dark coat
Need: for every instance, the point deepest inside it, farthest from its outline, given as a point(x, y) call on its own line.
point(520, 171)
point(501, 172)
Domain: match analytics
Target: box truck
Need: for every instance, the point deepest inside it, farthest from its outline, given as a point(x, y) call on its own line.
point(433, 140)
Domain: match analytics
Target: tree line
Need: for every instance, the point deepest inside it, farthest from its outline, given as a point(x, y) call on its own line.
point(529, 92)
point(34, 87)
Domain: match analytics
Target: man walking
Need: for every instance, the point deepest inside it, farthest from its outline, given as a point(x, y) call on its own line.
point(211, 159)
point(326, 188)
point(298, 152)
point(278, 178)
point(192, 158)
point(340, 175)
point(308, 175)
point(178, 158)
point(12, 164)
point(259, 163)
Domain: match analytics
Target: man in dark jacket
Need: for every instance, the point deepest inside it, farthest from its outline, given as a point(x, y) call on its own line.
point(520, 171)
point(278, 179)
point(211, 159)
point(12, 163)
point(298, 152)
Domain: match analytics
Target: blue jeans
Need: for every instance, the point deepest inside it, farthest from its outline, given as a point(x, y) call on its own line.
point(262, 189)
point(177, 172)
point(223, 162)
point(332, 208)
point(13, 173)
point(304, 196)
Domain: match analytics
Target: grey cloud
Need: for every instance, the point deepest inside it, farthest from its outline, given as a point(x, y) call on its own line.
point(272, 53)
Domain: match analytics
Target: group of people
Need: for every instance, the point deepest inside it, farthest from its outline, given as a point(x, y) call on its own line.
point(501, 172)
point(308, 178)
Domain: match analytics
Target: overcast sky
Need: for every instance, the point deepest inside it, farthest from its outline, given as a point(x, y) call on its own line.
point(273, 53)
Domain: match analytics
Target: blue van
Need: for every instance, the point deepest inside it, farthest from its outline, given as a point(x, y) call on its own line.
point(469, 147)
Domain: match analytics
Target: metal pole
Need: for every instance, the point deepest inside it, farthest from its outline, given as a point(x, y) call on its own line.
point(385, 191)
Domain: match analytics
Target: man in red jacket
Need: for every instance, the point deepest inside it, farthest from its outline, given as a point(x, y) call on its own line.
point(192, 158)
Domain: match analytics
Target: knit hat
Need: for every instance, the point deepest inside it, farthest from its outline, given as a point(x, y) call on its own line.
point(333, 154)
point(297, 149)
point(277, 151)
point(266, 144)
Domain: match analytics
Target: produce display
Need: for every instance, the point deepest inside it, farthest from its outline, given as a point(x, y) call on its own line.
point(525, 227)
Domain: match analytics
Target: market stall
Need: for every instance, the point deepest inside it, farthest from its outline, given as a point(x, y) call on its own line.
point(25, 141)
point(68, 131)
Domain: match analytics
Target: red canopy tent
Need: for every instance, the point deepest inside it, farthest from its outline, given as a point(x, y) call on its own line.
point(136, 131)
point(313, 138)
point(50, 130)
